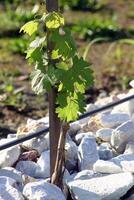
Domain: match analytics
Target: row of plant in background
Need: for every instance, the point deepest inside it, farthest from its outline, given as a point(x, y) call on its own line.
point(82, 4)
point(13, 18)
point(96, 27)
point(73, 4)
point(9, 94)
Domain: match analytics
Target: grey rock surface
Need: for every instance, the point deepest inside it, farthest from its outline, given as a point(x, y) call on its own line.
point(110, 187)
point(40, 143)
point(123, 135)
point(104, 134)
point(28, 168)
point(104, 151)
point(42, 190)
point(10, 193)
point(87, 153)
point(107, 167)
point(9, 156)
point(44, 165)
point(112, 120)
point(11, 173)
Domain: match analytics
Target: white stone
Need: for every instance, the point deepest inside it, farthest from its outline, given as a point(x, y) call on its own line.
point(113, 120)
point(44, 164)
point(74, 128)
point(106, 167)
point(129, 148)
point(132, 118)
point(87, 153)
point(10, 193)
point(7, 181)
point(30, 127)
point(44, 120)
point(40, 143)
point(104, 151)
point(110, 187)
point(28, 167)
point(127, 107)
point(9, 156)
point(12, 135)
point(132, 83)
point(90, 107)
point(84, 175)
point(71, 154)
point(122, 135)
point(126, 161)
point(104, 134)
point(11, 173)
point(80, 135)
point(42, 190)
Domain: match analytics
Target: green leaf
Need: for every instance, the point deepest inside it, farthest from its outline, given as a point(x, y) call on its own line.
point(63, 65)
point(54, 20)
point(64, 44)
point(37, 42)
point(34, 54)
point(70, 104)
point(68, 108)
point(37, 81)
point(40, 82)
point(30, 28)
point(78, 77)
point(55, 54)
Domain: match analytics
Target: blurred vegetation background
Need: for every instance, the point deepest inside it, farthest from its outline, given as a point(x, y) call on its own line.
point(104, 32)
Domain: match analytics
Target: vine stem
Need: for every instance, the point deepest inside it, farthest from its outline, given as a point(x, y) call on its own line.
point(57, 130)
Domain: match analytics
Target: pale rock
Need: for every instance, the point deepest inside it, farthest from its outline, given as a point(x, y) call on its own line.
point(44, 120)
point(40, 143)
point(104, 134)
point(112, 120)
point(71, 153)
point(123, 135)
point(42, 190)
point(10, 193)
point(129, 148)
point(12, 135)
point(30, 127)
point(7, 181)
point(106, 167)
point(90, 107)
point(66, 176)
point(29, 168)
point(126, 161)
point(44, 164)
point(104, 151)
point(132, 118)
point(80, 135)
point(87, 153)
point(9, 156)
point(84, 175)
point(132, 83)
point(11, 173)
point(110, 187)
point(127, 107)
point(74, 128)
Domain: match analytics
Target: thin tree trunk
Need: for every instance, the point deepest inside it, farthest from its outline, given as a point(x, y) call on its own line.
point(54, 122)
point(57, 177)
point(57, 131)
